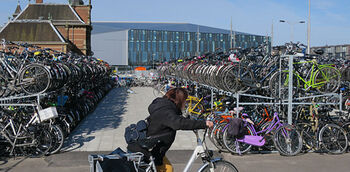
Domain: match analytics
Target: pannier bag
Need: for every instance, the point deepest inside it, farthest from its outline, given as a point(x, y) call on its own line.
point(136, 132)
point(236, 128)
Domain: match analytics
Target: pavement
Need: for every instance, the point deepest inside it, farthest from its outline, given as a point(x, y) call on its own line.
point(102, 131)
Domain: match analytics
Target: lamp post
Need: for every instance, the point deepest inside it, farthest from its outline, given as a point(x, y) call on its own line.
point(153, 60)
point(308, 28)
point(291, 27)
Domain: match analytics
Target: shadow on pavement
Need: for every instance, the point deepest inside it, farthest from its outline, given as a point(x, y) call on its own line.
point(3, 161)
point(107, 115)
point(75, 142)
point(10, 167)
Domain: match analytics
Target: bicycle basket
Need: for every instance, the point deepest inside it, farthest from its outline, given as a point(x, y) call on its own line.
point(48, 113)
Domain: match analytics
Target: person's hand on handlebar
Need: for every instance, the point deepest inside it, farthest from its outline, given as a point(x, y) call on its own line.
point(210, 124)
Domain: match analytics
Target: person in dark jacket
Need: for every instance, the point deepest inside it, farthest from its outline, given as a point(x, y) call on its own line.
point(165, 118)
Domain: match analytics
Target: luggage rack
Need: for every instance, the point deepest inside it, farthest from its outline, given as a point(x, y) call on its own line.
point(118, 154)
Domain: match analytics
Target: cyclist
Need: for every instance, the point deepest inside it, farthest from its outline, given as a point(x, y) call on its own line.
point(166, 117)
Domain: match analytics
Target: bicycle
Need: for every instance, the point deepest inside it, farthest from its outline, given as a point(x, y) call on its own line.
point(159, 89)
point(320, 131)
point(286, 138)
point(210, 164)
point(31, 78)
point(28, 136)
point(323, 77)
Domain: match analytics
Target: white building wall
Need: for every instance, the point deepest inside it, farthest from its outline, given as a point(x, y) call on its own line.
point(111, 47)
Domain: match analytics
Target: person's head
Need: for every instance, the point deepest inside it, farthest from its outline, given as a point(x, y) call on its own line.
point(178, 96)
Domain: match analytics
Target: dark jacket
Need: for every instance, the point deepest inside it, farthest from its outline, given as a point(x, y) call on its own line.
point(164, 118)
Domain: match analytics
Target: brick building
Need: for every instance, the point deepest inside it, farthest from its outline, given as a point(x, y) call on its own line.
point(63, 27)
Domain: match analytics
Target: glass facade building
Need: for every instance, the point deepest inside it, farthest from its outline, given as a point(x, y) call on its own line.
point(155, 42)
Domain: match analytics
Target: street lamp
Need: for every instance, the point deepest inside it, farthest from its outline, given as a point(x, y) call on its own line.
point(153, 60)
point(291, 27)
point(308, 28)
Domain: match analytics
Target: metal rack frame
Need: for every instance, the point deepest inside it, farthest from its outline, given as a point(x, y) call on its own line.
point(17, 100)
point(279, 102)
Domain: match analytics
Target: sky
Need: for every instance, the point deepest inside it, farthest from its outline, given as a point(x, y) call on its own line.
point(330, 19)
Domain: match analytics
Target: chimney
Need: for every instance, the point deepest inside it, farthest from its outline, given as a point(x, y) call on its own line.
point(84, 11)
point(39, 1)
point(17, 11)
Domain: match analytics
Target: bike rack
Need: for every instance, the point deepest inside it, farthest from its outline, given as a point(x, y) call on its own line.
point(24, 100)
point(273, 101)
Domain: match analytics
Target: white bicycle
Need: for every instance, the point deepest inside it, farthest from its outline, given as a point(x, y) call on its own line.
point(210, 164)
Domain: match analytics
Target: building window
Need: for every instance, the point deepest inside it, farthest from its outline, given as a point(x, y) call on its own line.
point(131, 35)
point(131, 45)
point(182, 46)
point(142, 46)
point(137, 46)
point(154, 46)
point(165, 47)
point(160, 46)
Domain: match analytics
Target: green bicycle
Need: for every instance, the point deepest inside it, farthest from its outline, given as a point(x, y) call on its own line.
point(324, 78)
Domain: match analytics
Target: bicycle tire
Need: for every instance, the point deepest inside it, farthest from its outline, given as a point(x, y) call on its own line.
point(346, 127)
point(220, 165)
point(43, 144)
point(288, 140)
point(3, 85)
point(274, 84)
point(157, 91)
point(57, 139)
point(215, 140)
point(332, 82)
point(333, 135)
point(230, 143)
point(5, 145)
point(42, 81)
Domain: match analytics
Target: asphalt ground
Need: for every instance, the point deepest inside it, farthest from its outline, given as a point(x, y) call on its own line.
point(102, 131)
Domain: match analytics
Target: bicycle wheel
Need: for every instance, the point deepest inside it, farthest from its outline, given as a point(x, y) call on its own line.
point(276, 86)
point(219, 166)
point(333, 138)
point(43, 143)
point(288, 141)
point(159, 91)
point(308, 134)
point(327, 80)
point(231, 145)
point(246, 77)
point(57, 139)
point(5, 145)
point(34, 78)
point(3, 86)
point(346, 127)
point(215, 137)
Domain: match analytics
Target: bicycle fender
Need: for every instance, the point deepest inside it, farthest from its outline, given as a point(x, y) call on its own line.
point(207, 163)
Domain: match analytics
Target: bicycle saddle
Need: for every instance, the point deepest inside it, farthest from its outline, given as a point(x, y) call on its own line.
point(149, 144)
point(319, 51)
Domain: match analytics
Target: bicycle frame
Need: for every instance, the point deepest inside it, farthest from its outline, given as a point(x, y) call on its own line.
point(275, 122)
point(199, 151)
point(14, 73)
point(34, 119)
point(309, 80)
point(191, 109)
